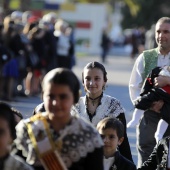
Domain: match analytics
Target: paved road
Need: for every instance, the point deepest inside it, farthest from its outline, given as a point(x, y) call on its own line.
point(118, 69)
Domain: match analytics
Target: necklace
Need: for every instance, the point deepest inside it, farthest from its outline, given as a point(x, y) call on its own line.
point(95, 99)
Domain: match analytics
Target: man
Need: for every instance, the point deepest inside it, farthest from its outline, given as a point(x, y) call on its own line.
point(146, 61)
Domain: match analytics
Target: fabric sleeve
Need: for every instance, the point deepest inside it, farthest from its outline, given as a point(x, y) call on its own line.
point(151, 163)
point(137, 115)
point(124, 148)
point(24, 144)
point(136, 80)
point(161, 129)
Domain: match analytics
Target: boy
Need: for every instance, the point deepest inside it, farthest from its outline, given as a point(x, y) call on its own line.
point(112, 132)
point(7, 135)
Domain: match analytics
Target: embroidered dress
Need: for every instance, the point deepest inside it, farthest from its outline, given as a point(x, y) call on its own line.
point(109, 106)
point(74, 143)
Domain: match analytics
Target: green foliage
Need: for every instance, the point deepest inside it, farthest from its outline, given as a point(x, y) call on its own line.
point(149, 12)
point(89, 1)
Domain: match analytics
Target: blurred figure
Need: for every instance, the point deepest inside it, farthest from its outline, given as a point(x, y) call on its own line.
point(50, 46)
point(36, 36)
point(141, 40)
point(134, 42)
point(105, 45)
point(25, 17)
point(51, 18)
point(7, 135)
point(10, 70)
point(72, 42)
point(16, 16)
point(150, 38)
point(64, 47)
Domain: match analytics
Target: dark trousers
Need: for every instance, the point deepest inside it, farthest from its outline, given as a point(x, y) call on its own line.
point(145, 135)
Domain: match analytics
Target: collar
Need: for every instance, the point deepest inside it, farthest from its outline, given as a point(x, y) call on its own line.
point(159, 53)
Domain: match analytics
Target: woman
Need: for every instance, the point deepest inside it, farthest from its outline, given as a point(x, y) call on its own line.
point(56, 138)
point(96, 105)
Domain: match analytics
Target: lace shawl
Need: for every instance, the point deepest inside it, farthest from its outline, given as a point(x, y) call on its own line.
point(78, 139)
point(110, 107)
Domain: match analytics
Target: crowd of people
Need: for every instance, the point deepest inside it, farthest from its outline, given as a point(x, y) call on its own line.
point(30, 46)
point(70, 131)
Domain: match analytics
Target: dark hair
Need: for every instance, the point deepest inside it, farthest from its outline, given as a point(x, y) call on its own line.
point(7, 114)
point(164, 20)
point(98, 65)
point(112, 123)
point(63, 76)
point(17, 112)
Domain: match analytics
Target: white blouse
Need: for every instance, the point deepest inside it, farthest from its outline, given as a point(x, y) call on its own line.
point(108, 162)
point(109, 107)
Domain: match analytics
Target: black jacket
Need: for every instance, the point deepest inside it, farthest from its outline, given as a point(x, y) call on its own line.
point(121, 163)
point(150, 94)
point(159, 156)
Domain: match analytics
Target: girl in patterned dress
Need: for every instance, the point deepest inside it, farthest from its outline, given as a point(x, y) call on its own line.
point(56, 139)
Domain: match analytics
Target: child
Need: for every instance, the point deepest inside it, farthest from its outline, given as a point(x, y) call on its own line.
point(150, 94)
point(56, 139)
point(95, 104)
point(7, 135)
point(112, 132)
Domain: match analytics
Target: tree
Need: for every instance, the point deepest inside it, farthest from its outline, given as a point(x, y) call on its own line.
point(148, 13)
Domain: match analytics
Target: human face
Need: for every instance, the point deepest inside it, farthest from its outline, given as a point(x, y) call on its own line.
point(93, 81)
point(162, 35)
point(111, 141)
point(58, 100)
point(5, 137)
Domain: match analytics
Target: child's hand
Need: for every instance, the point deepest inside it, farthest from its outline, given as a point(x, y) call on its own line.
point(161, 81)
point(156, 106)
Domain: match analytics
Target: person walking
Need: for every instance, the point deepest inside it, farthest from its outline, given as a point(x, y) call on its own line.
point(145, 62)
point(96, 105)
point(105, 46)
point(55, 139)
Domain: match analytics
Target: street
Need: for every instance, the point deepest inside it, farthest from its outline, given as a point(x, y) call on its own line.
point(118, 69)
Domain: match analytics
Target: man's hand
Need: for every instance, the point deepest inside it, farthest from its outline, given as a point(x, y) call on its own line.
point(161, 81)
point(156, 106)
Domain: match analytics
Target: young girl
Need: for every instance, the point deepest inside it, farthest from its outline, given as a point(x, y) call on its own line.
point(96, 105)
point(7, 135)
point(112, 132)
point(56, 138)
